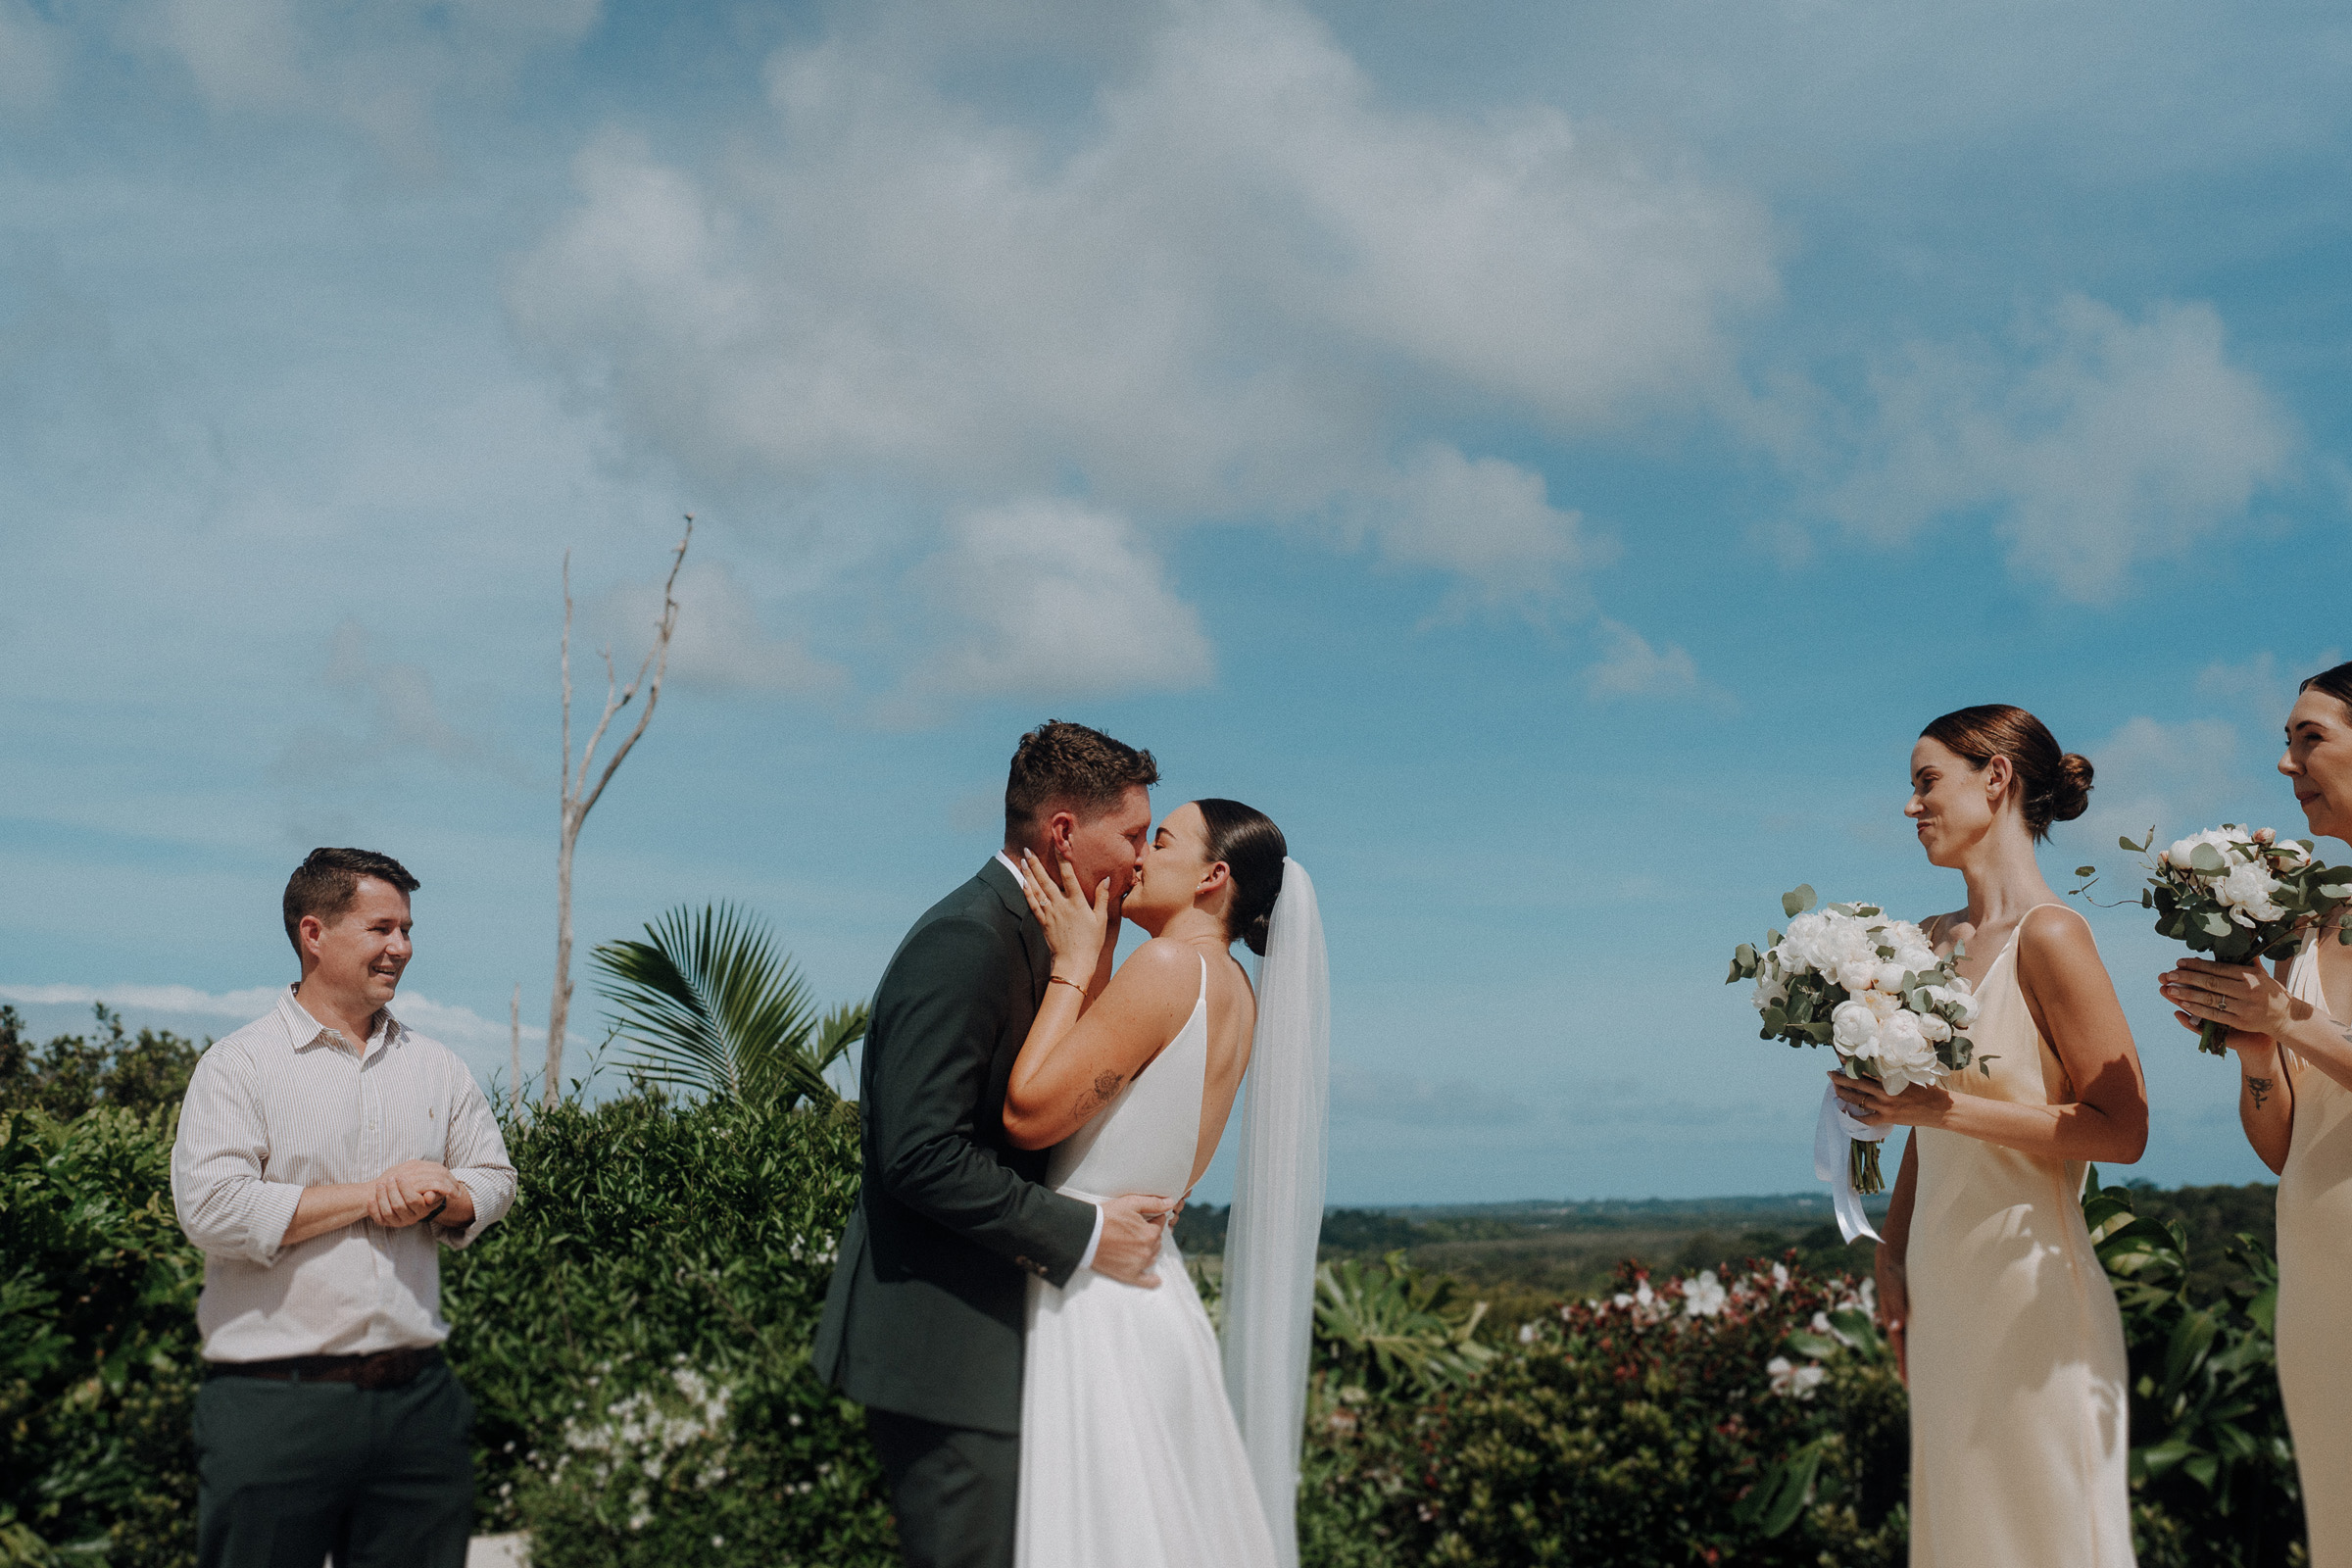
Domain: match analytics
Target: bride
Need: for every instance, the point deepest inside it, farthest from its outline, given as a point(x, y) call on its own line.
point(1133, 1450)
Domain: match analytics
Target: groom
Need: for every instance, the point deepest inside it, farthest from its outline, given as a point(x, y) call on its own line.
point(924, 1319)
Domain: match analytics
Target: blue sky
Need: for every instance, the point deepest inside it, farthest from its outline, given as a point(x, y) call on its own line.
point(1551, 459)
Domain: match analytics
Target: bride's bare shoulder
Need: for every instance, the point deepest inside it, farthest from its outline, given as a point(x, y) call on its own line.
point(1161, 964)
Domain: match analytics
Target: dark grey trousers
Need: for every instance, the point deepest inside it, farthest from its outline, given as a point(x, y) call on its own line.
point(953, 1490)
point(289, 1474)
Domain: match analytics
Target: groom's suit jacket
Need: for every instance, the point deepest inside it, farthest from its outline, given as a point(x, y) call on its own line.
point(925, 1314)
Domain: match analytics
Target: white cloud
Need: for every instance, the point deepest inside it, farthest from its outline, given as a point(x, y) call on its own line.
point(1630, 667)
point(2114, 442)
point(401, 717)
point(720, 643)
point(2175, 777)
point(450, 1024)
point(1230, 292)
point(1488, 521)
point(378, 70)
point(2258, 686)
point(1053, 598)
point(32, 53)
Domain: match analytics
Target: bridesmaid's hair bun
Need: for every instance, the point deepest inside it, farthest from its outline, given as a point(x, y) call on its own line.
point(1252, 847)
point(2070, 794)
point(2054, 784)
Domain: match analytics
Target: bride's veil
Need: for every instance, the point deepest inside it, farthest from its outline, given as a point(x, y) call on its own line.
point(1278, 1203)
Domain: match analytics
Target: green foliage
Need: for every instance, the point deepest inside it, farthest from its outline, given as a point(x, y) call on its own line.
point(649, 1303)
point(98, 1362)
point(1662, 1425)
point(72, 1073)
point(2213, 1477)
point(635, 1335)
point(1387, 1329)
point(713, 1005)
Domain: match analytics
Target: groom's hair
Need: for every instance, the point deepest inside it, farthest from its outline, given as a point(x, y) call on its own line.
point(1058, 764)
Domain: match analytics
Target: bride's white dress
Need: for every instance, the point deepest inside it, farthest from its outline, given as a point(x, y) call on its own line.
point(1130, 1455)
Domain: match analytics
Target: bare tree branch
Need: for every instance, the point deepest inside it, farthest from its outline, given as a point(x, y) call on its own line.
point(578, 800)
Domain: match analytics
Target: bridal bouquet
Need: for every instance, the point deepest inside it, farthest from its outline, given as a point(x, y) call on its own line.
point(1870, 989)
point(2239, 896)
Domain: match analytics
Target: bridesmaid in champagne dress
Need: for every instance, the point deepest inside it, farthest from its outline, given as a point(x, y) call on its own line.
point(2001, 1317)
point(2294, 1101)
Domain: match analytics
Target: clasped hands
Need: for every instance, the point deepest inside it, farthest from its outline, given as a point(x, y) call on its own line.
point(2249, 1000)
point(411, 1193)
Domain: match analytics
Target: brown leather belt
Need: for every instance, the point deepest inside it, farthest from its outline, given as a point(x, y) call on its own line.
point(386, 1369)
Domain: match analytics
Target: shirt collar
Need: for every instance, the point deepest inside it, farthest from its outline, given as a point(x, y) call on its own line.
point(306, 1031)
point(1019, 876)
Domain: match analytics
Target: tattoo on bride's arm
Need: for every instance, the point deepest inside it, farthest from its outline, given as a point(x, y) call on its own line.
point(1107, 1084)
point(2260, 1089)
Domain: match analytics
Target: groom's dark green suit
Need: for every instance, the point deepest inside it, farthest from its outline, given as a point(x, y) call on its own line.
point(923, 1321)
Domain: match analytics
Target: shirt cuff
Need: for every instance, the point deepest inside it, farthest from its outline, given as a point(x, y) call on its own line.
point(274, 1205)
point(1086, 1259)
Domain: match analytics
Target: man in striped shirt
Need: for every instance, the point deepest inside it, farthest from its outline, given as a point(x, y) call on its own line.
point(326, 1152)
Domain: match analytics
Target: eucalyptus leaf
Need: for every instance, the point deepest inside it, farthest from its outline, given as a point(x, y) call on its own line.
point(1797, 899)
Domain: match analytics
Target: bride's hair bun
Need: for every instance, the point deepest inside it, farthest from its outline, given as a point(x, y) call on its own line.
point(1252, 847)
point(2054, 785)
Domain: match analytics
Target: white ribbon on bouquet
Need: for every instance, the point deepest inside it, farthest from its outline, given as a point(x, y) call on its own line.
point(1833, 1163)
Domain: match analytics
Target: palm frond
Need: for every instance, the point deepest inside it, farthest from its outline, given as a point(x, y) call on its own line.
point(707, 1002)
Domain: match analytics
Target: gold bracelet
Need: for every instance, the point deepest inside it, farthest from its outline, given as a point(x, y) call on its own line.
point(1056, 980)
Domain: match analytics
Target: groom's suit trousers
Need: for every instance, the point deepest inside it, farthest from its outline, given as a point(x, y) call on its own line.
point(953, 1490)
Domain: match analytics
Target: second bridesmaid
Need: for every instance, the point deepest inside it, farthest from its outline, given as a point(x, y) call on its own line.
point(2294, 1099)
point(1998, 1308)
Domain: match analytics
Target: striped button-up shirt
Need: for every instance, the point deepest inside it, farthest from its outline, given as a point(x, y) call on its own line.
point(284, 1103)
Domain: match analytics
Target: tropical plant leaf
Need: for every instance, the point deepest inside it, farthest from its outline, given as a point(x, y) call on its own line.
point(709, 1004)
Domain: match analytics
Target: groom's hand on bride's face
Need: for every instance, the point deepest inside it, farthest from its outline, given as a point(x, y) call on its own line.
point(1132, 1226)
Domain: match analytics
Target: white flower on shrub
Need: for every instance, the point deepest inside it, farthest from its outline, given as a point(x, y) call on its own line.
point(1791, 1381)
point(643, 1436)
point(1704, 1296)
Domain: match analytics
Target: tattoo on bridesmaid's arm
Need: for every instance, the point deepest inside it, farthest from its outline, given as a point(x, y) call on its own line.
point(2260, 1089)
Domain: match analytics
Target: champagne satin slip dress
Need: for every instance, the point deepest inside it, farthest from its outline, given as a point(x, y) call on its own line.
point(2019, 1450)
point(2315, 1289)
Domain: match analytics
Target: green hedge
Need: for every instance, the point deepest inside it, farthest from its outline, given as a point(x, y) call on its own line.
point(635, 1335)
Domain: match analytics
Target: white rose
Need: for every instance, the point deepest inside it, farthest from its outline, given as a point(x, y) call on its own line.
point(1912, 950)
point(1854, 1029)
point(1933, 1026)
point(1800, 950)
point(1889, 978)
point(1704, 1296)
point(1905, 1057)
point(2224, 840)
point(1771, 992)
point(2248, 889)
point(1956, 996)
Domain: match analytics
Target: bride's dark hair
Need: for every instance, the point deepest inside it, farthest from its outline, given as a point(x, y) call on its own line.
point(1252, 847)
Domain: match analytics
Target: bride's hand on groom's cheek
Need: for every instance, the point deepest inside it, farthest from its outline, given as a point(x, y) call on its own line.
point(1074, 926)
